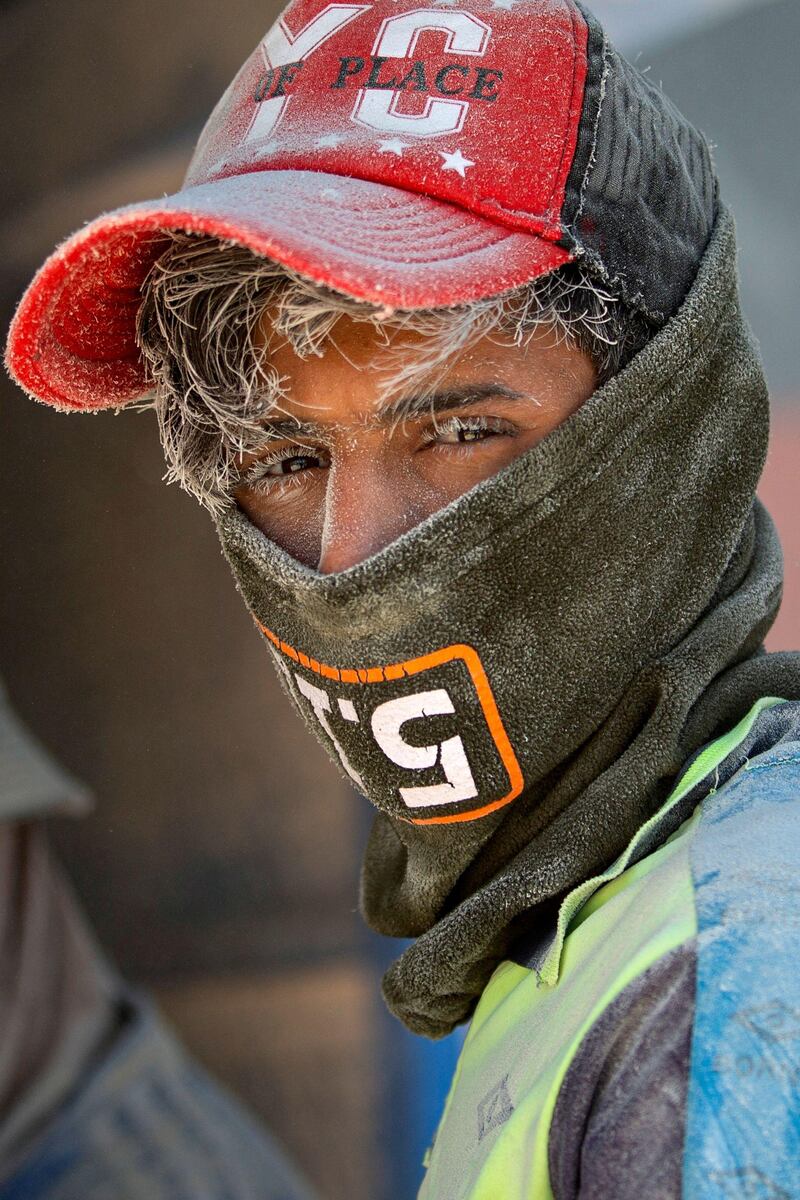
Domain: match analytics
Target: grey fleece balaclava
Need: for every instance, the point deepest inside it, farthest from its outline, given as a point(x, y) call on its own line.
point(515, 683)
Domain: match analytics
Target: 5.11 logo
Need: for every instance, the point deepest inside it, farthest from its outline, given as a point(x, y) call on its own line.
point(416, 736)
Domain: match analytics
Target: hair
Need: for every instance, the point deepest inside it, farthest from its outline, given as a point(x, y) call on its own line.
point(213, 384)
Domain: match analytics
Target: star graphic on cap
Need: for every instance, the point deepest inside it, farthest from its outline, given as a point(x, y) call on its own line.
point(456, 162)
point(392, 146)
point(329, 139)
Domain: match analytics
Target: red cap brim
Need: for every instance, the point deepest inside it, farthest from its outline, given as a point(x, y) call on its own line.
point(72, 342)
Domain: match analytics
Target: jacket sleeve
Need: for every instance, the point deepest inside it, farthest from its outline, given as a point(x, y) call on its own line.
point(620, 1118)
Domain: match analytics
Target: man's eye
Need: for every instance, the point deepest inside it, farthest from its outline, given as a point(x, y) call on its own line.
point(468, 435)
point(282, 463)
point(457, 431)
point(291, 466)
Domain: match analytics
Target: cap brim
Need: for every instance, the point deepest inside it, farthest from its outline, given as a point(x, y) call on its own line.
point(72, 342)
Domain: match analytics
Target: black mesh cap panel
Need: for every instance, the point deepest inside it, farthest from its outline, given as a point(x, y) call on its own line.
point(642, 195)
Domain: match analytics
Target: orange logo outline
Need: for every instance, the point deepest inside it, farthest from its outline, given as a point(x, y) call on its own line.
point(414, 666)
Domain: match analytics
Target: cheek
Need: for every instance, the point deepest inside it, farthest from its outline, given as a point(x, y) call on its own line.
point(449, 472)
point(292, 516)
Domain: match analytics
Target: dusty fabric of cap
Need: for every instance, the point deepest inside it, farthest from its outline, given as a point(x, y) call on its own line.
point(615, 584)
point(560, 150)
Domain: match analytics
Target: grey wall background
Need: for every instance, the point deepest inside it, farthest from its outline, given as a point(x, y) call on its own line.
point(220, 864)
point(738, 80)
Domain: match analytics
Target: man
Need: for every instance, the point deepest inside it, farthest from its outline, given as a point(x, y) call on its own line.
point(96, 1096)
point(443, 330)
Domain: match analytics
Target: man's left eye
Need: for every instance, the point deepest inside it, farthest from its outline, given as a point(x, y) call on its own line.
point(461, 430)
point(469, 435)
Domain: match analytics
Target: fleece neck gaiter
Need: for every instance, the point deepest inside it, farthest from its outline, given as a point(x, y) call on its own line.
point(516, 682)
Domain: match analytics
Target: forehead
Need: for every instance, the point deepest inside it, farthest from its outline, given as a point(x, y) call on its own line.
point(351, 379)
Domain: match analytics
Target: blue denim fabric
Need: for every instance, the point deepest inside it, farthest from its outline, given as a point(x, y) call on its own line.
point(149, 1124)
point(743, 1111)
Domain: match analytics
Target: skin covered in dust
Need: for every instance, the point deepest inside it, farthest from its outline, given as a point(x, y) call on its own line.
point(344, 472)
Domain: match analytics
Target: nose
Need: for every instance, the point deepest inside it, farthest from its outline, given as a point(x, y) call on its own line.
point(365, 510)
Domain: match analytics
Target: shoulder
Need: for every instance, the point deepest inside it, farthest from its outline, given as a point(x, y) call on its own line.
point(743, 1100)
point(743, 859)
point(604, 1061)
point(688, 1083)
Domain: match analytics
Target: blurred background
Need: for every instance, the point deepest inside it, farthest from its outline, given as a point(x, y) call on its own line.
point(220, 863)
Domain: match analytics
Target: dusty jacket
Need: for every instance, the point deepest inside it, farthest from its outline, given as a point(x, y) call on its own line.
point(654, 1049)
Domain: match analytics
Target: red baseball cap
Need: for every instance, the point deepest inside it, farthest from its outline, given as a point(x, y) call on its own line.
point(408, 156)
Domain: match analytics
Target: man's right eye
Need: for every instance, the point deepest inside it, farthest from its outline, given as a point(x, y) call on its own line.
point(279, 464)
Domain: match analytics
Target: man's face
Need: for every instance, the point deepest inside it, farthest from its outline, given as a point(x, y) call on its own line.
point(343, 473)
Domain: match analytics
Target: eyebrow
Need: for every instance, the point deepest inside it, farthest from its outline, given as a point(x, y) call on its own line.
point(427, 403)
point(405, 408)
